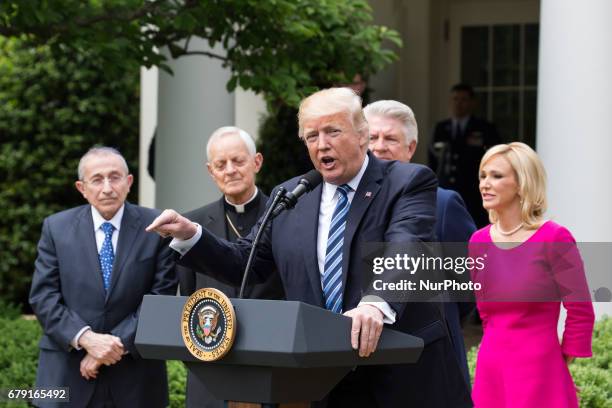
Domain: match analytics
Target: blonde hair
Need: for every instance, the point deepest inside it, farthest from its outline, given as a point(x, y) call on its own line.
point(329, 102)
point(531, 179)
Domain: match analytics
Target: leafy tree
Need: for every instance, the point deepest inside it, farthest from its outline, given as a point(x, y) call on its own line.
point(284, 49)
point(53, 108)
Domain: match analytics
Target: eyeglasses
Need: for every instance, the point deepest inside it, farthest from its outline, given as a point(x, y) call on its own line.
point(113, 180)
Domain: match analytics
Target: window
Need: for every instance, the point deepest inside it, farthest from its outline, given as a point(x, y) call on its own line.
point(501, 62)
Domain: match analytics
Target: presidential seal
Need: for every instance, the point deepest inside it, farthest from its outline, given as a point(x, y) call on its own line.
point(208, 324)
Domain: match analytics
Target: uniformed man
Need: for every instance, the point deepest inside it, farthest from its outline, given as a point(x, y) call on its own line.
point(457, 145)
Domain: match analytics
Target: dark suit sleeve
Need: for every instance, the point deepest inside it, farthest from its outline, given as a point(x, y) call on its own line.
point(58, 321)
point(225, 261)
point(414, 214)
point(164, 283)
point(187, 280)
point(457, 224)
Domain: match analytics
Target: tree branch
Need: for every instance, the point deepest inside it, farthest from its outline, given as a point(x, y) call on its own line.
point(206, 54)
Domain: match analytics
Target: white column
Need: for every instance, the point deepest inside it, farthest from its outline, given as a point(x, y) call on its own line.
point(250, 108)
point(191, 105)
point(148, 122)
point(574, 136)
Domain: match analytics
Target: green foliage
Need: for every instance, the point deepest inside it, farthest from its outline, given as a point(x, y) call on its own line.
point(285, 155)
point(19, 359)
point(54, 107)
point(592, 375)
point(18, 354)
point(177, 374)
point(284, 49)
point(8, 310)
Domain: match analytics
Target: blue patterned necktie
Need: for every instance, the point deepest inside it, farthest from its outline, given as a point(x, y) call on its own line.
point(107, 255)
point(332, 275)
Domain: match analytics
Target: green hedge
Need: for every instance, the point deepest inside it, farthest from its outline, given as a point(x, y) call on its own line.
point(19, 354)
point(592, 375)
point(19, 357)
point(53, 107)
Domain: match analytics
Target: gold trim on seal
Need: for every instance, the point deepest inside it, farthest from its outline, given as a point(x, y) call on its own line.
point(222, 339)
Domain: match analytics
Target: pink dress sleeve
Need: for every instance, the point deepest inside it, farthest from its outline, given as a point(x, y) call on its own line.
point(568, 270)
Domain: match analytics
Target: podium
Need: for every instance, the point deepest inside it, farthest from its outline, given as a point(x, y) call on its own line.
point(284, 351)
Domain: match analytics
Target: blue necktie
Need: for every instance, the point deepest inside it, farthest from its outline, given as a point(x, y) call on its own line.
point(107, 255)
point(332, 275)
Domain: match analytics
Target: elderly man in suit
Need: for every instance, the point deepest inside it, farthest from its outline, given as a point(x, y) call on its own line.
point(95, 263)
point(316, 248)
point(232, 162)
point(394, 136)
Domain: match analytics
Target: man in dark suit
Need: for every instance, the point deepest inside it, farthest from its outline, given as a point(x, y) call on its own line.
point(95, 263)
point(317, 250)
point(456, 147)
point(394, 136)
point(232, 162)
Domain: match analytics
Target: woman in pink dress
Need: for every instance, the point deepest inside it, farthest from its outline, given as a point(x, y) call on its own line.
point(531, 267)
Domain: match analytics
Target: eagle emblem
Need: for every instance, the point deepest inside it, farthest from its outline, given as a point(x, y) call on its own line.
point(207, 329)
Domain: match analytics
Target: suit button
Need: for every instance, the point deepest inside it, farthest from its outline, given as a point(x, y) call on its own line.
point(452, 179)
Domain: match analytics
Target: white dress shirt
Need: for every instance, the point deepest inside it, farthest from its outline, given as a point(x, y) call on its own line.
point(98, 220)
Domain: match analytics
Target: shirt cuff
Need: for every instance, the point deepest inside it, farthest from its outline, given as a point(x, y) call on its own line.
point(75, 340)
point(182, 246)
point(388, 313)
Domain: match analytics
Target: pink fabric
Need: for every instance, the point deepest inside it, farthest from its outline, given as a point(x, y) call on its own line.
point(520, 361)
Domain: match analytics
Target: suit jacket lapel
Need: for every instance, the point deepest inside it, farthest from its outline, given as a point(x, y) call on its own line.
point(307, 229)
point(216, 220)
point(86, 239)
point(365, 194)
point(131, 226)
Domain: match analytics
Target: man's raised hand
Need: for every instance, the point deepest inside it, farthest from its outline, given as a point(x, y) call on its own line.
point(172, 224)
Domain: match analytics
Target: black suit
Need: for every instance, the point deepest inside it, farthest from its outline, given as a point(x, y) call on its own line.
point(454, 224)
point(456, 158)
point(213, 218)
point(68, 294)
point(394, 202)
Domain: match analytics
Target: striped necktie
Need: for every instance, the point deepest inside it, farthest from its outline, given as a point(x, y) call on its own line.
point(107, 256)
point(332, 275)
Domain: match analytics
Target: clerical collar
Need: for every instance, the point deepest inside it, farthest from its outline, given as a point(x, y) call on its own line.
point(241, 208)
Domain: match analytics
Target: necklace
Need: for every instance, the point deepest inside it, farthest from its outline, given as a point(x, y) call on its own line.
point(508, 233)
point(231, 224)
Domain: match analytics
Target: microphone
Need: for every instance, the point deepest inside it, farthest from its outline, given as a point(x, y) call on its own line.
point(307, 182)
point(282, 200)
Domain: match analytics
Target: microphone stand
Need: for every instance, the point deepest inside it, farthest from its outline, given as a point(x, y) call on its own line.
point(280, 194)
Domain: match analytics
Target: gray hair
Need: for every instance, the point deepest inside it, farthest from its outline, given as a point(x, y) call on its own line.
point(331, 101)
point(398, 111)
point(231, 130)
point(100, 151)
